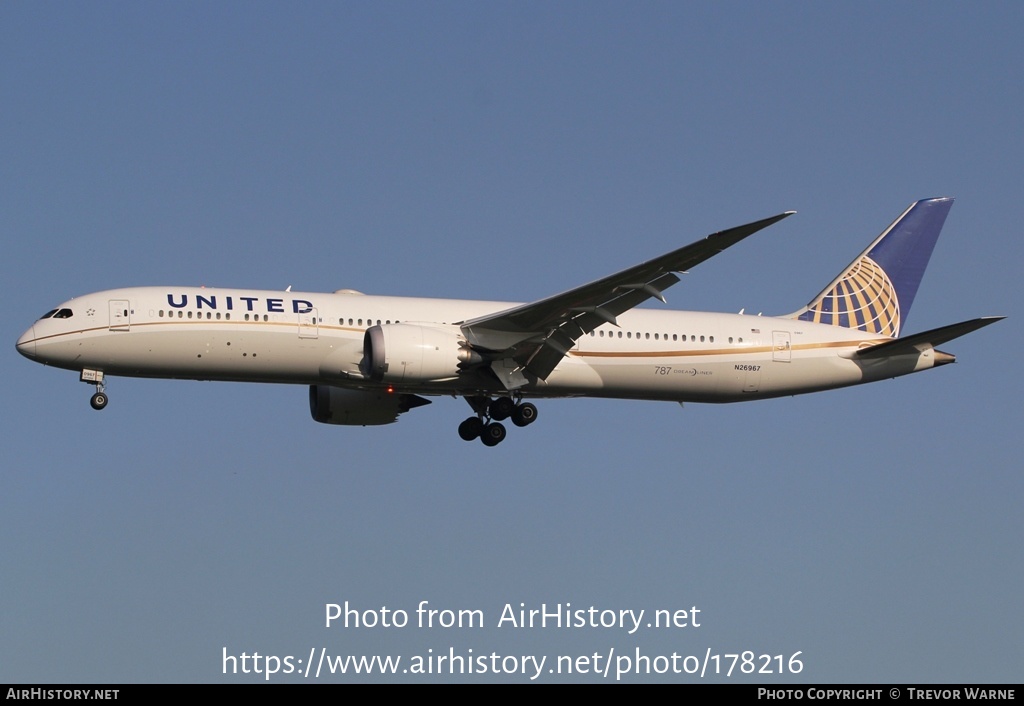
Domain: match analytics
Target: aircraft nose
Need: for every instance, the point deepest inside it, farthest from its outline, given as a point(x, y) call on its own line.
point(27, 343)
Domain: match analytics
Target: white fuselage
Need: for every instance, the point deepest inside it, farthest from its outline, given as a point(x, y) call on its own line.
point(317, 338)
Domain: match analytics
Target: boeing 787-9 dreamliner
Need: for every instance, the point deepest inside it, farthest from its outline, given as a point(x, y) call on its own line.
point(367, 359)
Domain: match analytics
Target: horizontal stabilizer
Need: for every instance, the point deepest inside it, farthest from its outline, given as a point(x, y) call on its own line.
point(927, 339)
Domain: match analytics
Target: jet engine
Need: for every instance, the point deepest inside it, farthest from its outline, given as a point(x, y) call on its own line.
point(337, 405)
point(411, 353)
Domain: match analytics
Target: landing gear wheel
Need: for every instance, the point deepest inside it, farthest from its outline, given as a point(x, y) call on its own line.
point(493, 434)
point(524, 414)
point(99, 400)
point(471, 428)
point(501, 408)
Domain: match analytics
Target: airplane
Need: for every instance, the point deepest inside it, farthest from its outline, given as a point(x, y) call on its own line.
point(368, 359)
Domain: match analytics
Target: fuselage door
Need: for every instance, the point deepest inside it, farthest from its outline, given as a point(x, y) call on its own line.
point(782, 348)
point(309, 326)
point(120, 320)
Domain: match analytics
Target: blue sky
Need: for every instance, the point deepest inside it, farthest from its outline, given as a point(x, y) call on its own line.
point(509, 151)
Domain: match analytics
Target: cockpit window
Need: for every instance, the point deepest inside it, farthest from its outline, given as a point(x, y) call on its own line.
point(57, 314)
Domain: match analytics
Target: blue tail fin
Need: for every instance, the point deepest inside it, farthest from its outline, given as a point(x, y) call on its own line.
point(875, 292)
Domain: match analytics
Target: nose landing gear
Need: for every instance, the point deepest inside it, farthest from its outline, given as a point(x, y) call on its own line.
point(487, 426)
point(95, 377)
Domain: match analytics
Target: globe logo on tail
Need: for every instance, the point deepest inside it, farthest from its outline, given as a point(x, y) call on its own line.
point(864, 298)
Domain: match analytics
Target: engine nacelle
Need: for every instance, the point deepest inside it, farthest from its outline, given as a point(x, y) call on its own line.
point(411, 353)
point(337, 405)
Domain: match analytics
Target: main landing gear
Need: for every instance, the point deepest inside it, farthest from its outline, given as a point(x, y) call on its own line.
point(487, 426)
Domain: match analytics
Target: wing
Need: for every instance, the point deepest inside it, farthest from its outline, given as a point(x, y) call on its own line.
point(534, 337)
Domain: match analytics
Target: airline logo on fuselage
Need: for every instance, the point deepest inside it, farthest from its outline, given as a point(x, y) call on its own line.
point(232, 302)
